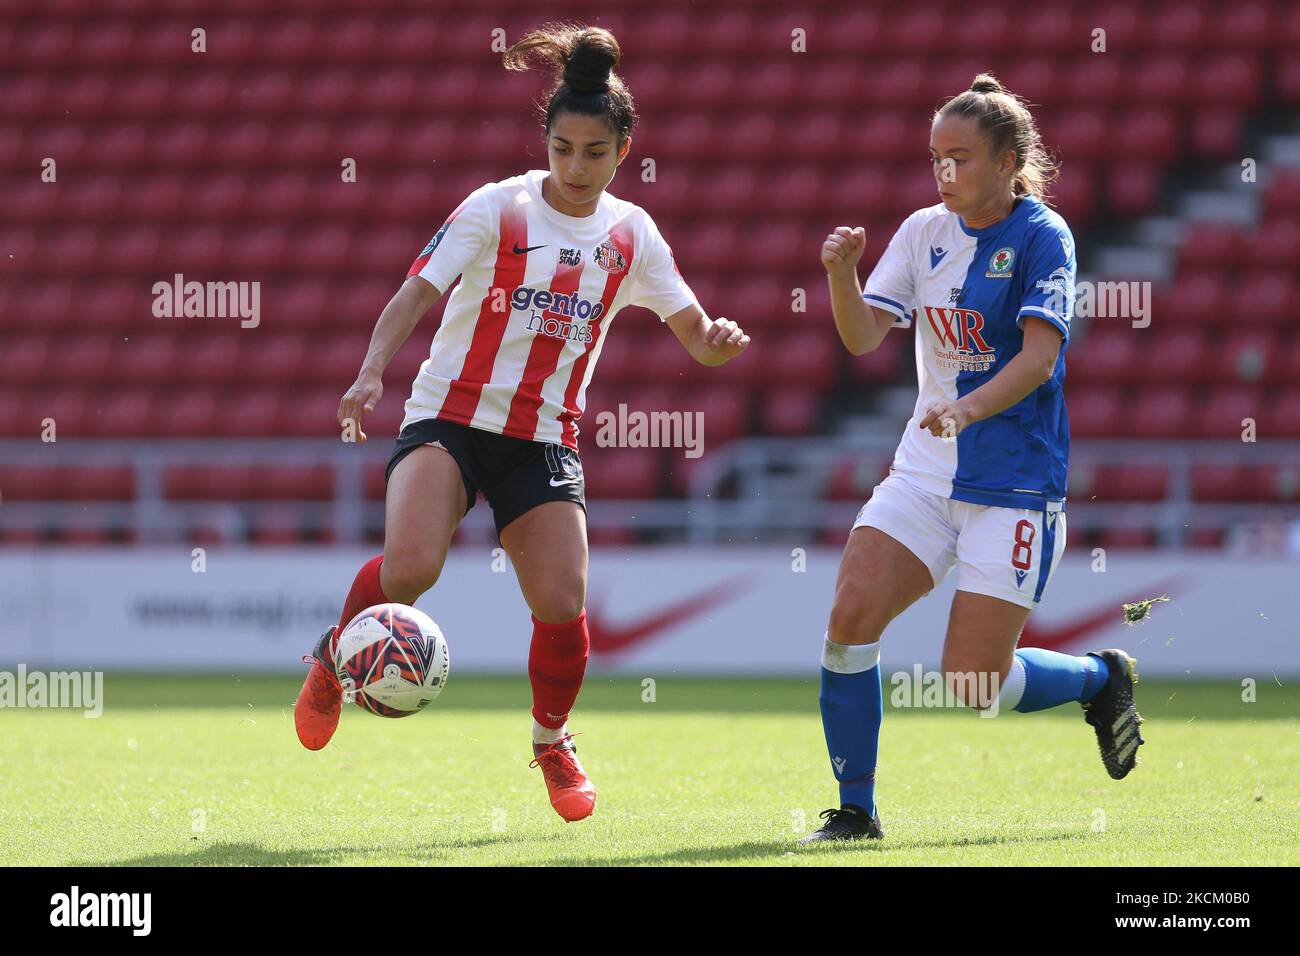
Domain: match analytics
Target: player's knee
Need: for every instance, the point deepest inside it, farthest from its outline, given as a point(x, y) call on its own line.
point(855, 619)
point(404, 578)
point(558, 605)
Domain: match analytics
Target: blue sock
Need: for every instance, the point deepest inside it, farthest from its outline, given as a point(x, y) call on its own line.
point(852, 708)
point(1051, 678)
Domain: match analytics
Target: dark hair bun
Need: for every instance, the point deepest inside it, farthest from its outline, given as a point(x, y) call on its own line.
point(986, 83)
point(595, 54)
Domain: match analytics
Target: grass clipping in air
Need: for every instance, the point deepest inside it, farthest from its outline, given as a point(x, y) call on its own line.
point(1141, 610)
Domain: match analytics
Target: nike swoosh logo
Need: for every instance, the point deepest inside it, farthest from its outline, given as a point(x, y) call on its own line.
point(607, 638)
point(936, 256)
point(563, 481)
point(520, 252)
point(1062, 635)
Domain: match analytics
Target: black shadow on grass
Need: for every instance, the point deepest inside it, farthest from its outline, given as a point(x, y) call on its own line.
point(755, 850)
point(250, 854)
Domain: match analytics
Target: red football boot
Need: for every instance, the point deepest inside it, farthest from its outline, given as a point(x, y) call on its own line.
point(573, 795)
point(316, 711)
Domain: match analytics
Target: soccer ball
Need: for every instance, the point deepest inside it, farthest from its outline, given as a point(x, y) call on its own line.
point(391, 660)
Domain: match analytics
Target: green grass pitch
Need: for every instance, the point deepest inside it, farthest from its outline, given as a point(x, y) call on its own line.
point(186, 770)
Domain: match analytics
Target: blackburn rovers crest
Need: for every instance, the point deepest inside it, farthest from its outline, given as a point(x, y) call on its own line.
point(1000, 263)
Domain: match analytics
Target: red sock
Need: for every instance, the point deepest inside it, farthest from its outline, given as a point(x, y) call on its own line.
point(365, 593)
point(557, 661)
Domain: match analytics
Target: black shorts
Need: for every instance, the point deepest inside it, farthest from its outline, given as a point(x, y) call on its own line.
point(514, 474)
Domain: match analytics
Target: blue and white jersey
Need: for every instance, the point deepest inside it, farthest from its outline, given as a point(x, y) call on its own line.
point(966, 292)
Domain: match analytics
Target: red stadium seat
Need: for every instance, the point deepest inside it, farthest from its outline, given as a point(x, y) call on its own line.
point(1125, 539)
point(1131, 483)
point(88, 360)
point(1265, 297)
point(22, 534)
point(126, 413)
point(1276, 483)
point(315, 414)
point(27, 483)
point(294, 483)
point(374, 486)
point(278, 527)
point(252, 414)
point(1095, 81)
point(1288, 364)
point(1210, 539)
point(1106, 357)
point(203, 94)
point(1223, 410)
point(790, 410)
point(1283, 415)
point(83, 534)
point(93, 483)
point(214, 360)
point(1228, 79)
point(772, 86)
point(152, 359)
point(1160, 80)
point(1185, 356)
point(726, 413)
point(26, 360)
point(854, 478)
point(1199, 298)
point(882, 365)
point(1218, 482)
point(13, 421)
point(806, 358)
point(1133, 190)
point(192, 413)
point(1276, 244)
point(1159, 412)
point(1250, 356)
point(338, 359)
point(1148, 133)
point(71, 411)
point(622, 472)
point(1282, 198)
point(1216, 134)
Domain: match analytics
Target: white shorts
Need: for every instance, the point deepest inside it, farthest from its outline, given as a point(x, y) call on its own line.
point(1007, 553)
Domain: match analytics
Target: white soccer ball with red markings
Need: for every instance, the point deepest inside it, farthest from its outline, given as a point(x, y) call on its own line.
point(392, 660)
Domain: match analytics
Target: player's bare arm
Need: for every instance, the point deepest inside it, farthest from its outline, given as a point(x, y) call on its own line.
point(395, 325)
point(862, 327)
point(1024, 373)
point(710, 341)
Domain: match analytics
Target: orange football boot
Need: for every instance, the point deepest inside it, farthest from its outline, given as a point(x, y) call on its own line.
point(316, 711)
point(573, 795)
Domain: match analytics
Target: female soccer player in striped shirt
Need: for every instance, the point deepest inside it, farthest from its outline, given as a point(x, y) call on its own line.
point(545, 261)
point(986, 278)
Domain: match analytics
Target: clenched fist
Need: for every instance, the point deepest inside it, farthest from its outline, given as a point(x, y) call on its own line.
point(842, 250)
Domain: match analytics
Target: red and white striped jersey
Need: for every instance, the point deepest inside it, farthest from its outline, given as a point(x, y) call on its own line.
point(538, 290)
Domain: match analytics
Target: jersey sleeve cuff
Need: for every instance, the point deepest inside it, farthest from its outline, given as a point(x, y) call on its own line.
point(1051, 317)
point(889, 305)
point(685, 302)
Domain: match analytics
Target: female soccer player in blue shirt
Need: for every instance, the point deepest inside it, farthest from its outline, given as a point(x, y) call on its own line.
point(986, 279)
